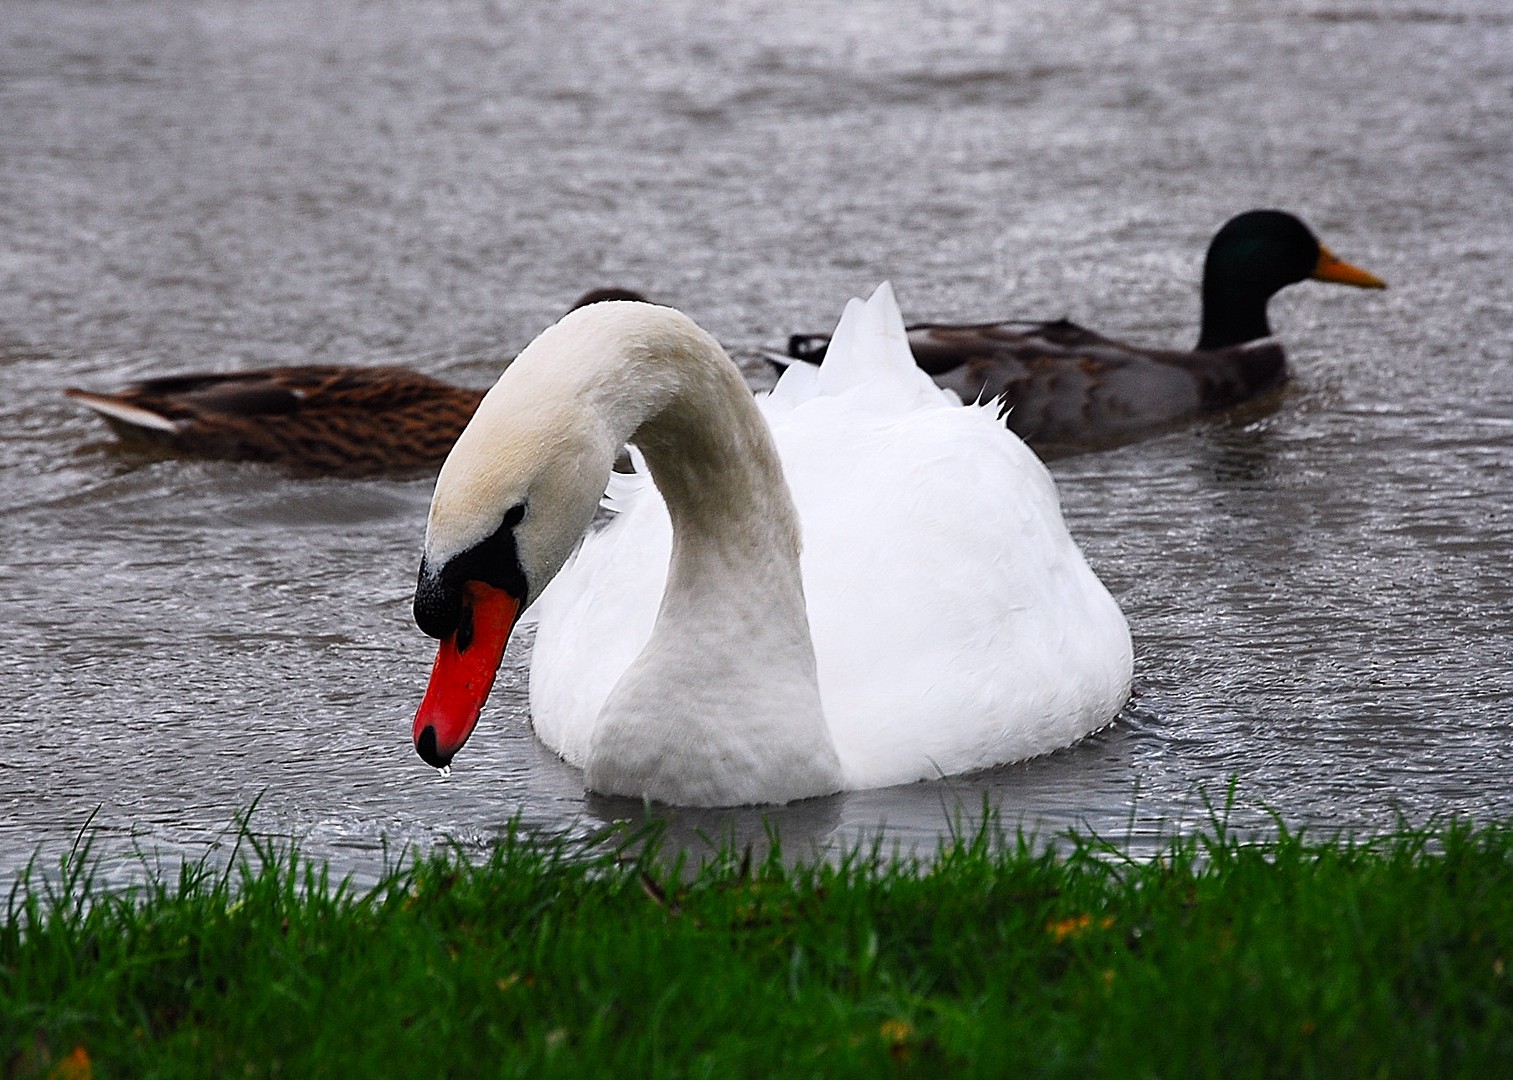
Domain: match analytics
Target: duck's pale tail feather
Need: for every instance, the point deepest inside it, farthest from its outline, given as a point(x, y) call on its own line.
point(124, 412)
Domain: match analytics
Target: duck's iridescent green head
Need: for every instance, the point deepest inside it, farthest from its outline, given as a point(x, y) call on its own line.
point(1250, 259)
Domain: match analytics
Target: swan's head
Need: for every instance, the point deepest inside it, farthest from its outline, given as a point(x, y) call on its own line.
point(512, 500)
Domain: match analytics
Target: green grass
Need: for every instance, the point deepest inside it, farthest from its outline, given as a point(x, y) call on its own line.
point(1291, 957)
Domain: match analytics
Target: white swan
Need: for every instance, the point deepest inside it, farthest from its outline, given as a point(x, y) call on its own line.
point(940, 618)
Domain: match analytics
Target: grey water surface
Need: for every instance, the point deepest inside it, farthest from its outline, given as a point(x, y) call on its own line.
point(1319, 589)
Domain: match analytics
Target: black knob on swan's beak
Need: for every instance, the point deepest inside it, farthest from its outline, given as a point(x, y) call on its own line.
point(438, 603)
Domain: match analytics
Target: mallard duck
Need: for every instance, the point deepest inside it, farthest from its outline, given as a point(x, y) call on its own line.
point(1065, 388)
point(940, 618)
point(314, 419)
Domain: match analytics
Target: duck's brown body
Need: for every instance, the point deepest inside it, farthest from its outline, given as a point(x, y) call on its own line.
point(1065, 388)
point(326, 419)
point(348, 421)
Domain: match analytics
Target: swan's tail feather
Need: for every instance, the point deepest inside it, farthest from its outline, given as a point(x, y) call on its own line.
point(869, 344)
point(868, 360)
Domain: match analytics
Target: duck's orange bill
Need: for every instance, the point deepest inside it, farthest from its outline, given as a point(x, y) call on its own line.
point(1332, 268)
point(464, 673)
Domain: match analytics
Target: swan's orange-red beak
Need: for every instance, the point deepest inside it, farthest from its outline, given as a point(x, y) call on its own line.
point(464, 672)
point(1333, 268)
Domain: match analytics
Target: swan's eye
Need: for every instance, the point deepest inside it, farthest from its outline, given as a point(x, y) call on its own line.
point(514, 516)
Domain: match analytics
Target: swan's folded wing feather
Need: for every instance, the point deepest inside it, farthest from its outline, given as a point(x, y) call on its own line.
point(946, 599)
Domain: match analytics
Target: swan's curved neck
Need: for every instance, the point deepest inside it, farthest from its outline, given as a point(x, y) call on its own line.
point(722, 706)
point(682, 402)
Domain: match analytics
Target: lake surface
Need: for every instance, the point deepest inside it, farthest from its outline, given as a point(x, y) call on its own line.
point(1319, 590)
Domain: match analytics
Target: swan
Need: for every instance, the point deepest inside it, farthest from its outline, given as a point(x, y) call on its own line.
point(1065, 388)
point(850, 583)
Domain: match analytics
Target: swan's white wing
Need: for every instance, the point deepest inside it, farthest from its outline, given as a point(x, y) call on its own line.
point(955, 622)
point(799, 382)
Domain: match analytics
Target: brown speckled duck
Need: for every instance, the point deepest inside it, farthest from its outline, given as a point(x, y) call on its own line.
point(314, 419)
point(1065, 388)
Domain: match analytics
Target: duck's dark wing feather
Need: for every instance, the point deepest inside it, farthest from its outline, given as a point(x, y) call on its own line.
point(1065, 387)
